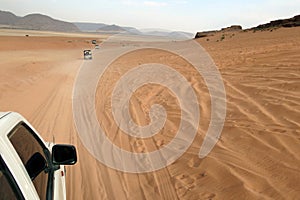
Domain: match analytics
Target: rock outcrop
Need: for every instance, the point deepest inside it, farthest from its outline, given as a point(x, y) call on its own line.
point(232, 28)
point(205, 34)
point(291, 22)
point(211, 33)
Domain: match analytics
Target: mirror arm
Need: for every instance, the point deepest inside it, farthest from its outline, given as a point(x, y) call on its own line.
point(52, 168)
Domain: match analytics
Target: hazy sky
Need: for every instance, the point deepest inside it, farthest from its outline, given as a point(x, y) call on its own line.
point(186, 15)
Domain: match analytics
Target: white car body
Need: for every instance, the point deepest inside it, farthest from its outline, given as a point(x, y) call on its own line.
point(14, 166)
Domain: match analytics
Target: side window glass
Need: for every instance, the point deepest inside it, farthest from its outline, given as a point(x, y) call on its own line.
point(28, 147)
point(8, 187)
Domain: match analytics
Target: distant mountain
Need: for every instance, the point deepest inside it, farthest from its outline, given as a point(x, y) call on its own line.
point(8, 18)
point(99, 27)
point(147, 30)
point(43, 22)
point(132, 30)
point(156, 33)
point(111, 28)
point(180, 35)
point(89, 27)
point(170, 34)
point(46, 23)
point(36, 22)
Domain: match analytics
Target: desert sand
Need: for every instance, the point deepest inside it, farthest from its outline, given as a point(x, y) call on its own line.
point(257, 156)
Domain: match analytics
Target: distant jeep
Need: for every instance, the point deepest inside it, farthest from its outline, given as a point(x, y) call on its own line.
point(87, 54)
point(94, 41)
point(97, 46)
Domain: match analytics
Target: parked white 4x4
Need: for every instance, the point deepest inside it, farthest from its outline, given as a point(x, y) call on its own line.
point(29, 167)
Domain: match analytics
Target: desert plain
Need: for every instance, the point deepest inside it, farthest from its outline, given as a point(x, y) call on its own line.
point(256, 157)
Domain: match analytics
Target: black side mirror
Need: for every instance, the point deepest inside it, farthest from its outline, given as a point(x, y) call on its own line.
point(35, 165)
point(64, 154)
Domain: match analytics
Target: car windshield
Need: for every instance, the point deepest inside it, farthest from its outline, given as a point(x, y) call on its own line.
point(87, 53)
point(27, 147)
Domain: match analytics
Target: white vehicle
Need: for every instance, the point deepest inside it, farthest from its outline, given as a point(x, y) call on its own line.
point(29, 167)
point(87, 54)
point(97, 46)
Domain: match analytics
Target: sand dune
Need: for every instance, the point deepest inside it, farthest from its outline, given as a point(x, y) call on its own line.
point(256, 157)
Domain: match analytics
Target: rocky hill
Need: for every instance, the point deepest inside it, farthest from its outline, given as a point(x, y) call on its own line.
point(210, 33)
point(291, 22)
point(35, 22)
